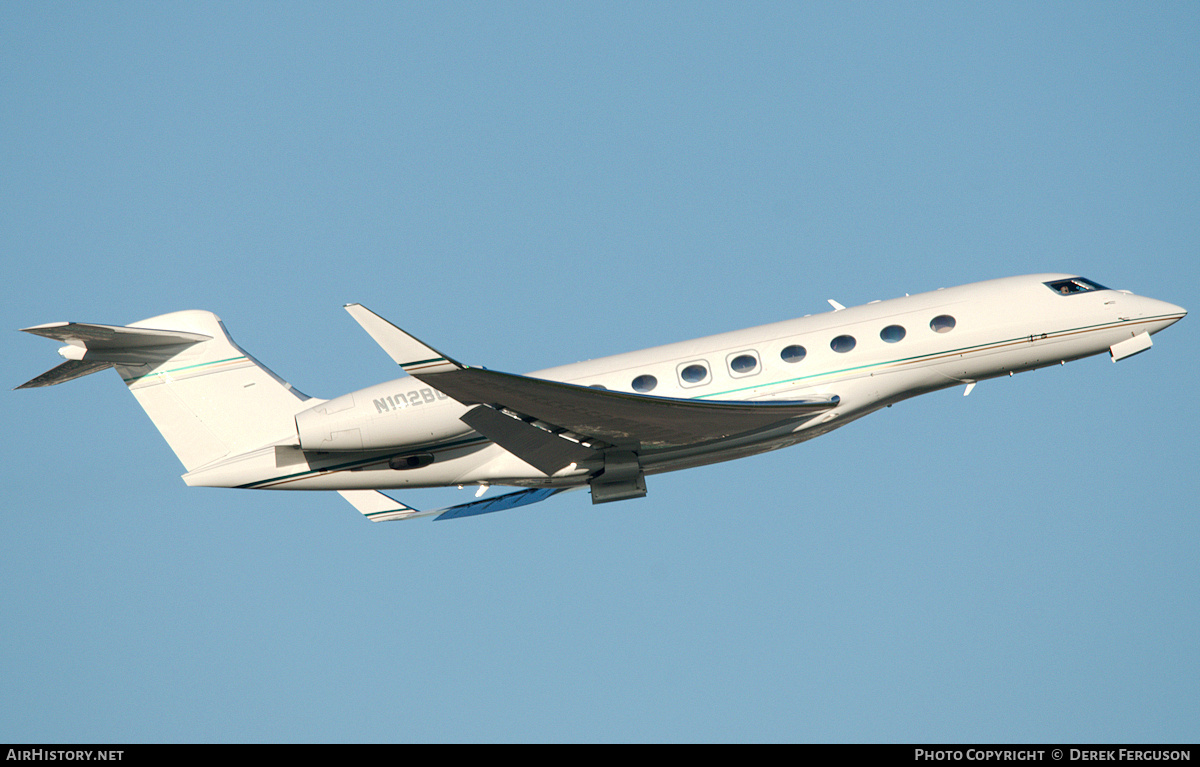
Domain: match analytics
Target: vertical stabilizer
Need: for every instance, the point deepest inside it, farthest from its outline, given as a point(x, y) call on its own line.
point(207, 396)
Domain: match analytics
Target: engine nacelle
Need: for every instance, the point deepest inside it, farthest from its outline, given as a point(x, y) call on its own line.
point(397, 414)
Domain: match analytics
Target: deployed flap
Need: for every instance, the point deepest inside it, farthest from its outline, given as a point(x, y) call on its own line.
point(634, 420)
point(540, 449)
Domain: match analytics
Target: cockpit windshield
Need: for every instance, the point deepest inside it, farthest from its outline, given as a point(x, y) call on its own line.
point(1074, 285)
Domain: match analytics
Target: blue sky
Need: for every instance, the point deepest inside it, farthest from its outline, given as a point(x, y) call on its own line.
point(524, 185)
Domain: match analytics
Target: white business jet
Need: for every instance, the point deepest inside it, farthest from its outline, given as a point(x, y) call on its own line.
point(604, 423)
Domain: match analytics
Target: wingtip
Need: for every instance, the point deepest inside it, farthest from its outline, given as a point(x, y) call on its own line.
point(38, 329)
point(378, 507)
point(405, 350)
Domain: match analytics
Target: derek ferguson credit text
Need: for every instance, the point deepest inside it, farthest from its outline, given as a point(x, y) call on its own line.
point(1057, 754)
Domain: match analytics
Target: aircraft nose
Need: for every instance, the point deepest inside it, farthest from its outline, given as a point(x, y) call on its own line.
point(1164, 314)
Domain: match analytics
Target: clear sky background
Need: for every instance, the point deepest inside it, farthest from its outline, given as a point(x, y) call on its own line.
point(525, 185)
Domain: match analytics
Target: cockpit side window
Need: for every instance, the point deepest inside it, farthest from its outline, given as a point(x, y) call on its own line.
point(1074, 285)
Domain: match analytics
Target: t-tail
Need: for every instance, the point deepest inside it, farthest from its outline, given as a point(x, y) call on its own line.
point(208, 398)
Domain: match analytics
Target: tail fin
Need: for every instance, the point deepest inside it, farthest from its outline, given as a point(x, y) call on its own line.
point(208, 397)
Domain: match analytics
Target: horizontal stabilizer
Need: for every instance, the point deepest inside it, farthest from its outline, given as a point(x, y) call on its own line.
point(92, 348)
point(378, 507)
point(68, 371)
point(98, 337)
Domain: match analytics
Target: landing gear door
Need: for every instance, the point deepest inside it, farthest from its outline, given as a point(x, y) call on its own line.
point(1130, 346)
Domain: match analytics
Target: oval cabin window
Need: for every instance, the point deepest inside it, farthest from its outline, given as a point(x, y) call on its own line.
point(842, 344)
point(694, 373)
point(943, 323)
point(743, 363)
point(645, 383)
point(793, 353)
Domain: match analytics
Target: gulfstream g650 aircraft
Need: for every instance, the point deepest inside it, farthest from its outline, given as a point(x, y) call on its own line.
point(605, 423)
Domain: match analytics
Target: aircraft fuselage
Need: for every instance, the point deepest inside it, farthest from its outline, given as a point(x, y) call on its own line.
point(405, 433)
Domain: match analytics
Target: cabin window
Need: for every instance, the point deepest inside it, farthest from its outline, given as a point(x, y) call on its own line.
point(693, 374)
point(645, 383)
point(842, 344)
point(793, 353)
point(1074, 285)
point(602, 387)
point(742, 364)
point(943, 323)
point(892, 333)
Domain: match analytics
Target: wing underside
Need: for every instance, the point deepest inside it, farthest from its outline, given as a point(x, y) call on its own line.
point(378, 507)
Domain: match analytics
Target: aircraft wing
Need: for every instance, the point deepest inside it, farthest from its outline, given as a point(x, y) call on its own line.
point(378, 507)
point(619, 418)
point(631, 421)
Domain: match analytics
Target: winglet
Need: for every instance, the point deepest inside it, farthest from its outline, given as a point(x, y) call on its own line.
point(407, 352)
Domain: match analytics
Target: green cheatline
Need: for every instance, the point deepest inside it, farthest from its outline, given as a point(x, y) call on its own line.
point(185, 367)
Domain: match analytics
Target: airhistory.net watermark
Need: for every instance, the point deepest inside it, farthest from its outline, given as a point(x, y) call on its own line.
point(61, 755)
